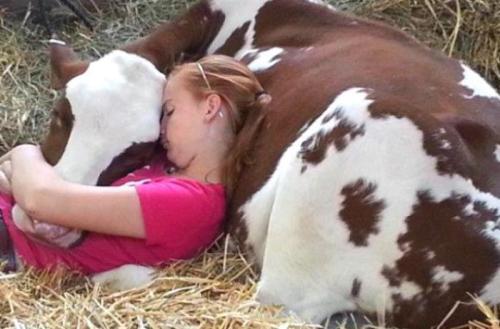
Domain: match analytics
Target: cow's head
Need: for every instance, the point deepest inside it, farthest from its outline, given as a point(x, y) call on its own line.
point(108, 120)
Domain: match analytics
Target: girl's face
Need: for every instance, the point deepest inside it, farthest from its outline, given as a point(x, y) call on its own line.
point(183, 128)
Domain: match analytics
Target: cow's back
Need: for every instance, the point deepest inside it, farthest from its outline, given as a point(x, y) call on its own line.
point(353, 52)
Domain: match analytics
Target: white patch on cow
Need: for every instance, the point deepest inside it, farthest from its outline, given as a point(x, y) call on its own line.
point(309, 262)
point(473, 81)
point(493, 230)
point(116, 102)
point(445, 144)
point(440, 137)
point(408, 290)
point(236, 13)
point(125, 277)
point(264, 59)
point(497, 152)
point(491, 292)
point(442, 275)
point(406, 246)
point(255, 213)
point(469, 209)
point(322, 3)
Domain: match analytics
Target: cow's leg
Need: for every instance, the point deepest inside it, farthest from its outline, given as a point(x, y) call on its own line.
point(125, 277)
point(322, 258)
point(256, 213)
point(297, 271)
point(346, 321)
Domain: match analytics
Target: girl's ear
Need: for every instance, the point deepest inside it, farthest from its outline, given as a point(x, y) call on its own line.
point(213, 106)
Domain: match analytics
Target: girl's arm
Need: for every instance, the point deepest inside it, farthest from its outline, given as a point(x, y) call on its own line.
point(38, 189)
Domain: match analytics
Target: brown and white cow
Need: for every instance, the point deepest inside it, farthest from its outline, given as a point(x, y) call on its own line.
point(110, 114)
point(111, 108)
point(375, 184)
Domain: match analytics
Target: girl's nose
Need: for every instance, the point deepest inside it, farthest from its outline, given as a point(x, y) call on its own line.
point(163, 123)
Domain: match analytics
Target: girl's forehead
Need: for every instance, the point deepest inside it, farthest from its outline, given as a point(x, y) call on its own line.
point(174, 83)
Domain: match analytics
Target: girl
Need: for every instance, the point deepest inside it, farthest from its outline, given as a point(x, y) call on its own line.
point(153, 215)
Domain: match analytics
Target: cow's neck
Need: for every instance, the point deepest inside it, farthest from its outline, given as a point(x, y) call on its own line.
point(189, 35)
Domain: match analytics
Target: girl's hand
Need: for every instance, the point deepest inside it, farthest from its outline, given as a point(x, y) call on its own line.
point(5, 157)
point(30, 172)
point(5, 177)
point(25, 152)
point(6, 170)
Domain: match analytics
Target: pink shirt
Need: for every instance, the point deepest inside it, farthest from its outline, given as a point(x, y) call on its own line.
point(181, 217)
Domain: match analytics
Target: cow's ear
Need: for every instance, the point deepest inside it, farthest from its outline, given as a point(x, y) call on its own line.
point(64, 63)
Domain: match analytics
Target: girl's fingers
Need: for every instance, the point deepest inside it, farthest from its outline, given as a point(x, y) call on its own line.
point(5, 157)
point(6, 167)
point(5, 184)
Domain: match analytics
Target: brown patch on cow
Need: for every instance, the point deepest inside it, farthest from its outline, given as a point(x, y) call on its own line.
point(61, 124)
point(313, 150)
point(391, 275)
point(235, 41)
point(238, 232)
point(360, 211)
point(449, 160)
point(476, 146)
point(440, 227)
point(356, 288)
point(134, 157)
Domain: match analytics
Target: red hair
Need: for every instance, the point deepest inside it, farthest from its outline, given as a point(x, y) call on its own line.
point(243, 96)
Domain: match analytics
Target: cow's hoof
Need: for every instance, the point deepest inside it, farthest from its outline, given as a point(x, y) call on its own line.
point(125, 277)
point(346, 321)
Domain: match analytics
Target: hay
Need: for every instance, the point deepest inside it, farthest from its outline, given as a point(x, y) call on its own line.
point(214, 290)
point(465, 29)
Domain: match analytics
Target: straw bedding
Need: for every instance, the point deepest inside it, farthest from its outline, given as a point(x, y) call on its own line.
point(214, 290)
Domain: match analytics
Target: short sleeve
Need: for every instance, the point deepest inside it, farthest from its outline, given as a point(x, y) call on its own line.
point(176, 212)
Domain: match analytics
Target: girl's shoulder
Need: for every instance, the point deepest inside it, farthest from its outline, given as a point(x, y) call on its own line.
point(187, 183)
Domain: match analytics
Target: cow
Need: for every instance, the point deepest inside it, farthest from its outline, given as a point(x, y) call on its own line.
point(374, 181)
point(110, 114)
point(119, 84)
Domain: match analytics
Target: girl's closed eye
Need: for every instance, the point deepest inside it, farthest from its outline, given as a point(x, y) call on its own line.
point(168, 109)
